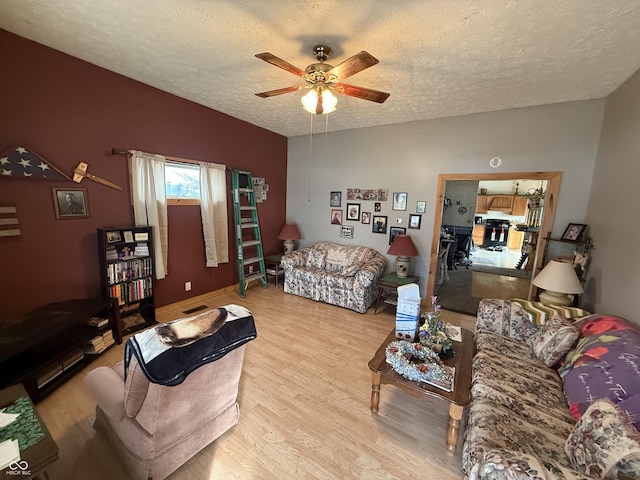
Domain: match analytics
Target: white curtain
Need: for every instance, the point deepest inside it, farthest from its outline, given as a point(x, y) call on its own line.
point(149, 200)
point(213, 208)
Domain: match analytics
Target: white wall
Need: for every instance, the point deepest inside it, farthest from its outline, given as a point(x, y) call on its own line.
point(613, 277)
point(409, 157)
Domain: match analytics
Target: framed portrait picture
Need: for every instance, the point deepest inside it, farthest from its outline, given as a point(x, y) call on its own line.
point(574, 232)
point(393, 231)
point(415, 221)
point(335, 199)
point(346, 232)
point(366, 218)
point(399, 201)
point(70, 203)
point(336, 217)
point(379, 224)
point(114, 236)
point(421, 206)
point(353, 211)
point(377, 207)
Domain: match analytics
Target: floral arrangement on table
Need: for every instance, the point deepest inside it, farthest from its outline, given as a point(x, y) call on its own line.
point(433, 333)
point(418, 363)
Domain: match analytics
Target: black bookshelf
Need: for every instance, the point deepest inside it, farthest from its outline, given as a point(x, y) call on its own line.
point(127, 275)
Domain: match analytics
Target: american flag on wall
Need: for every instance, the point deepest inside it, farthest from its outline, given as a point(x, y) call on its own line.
point(9, 226)
point(20, 162)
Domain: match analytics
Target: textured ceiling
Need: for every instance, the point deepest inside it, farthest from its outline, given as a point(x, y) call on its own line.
point(438, 58)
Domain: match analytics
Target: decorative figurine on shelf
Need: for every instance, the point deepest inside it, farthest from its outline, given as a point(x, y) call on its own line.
point(433, 333)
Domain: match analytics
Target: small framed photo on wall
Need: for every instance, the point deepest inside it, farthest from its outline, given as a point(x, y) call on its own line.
point(336, 217)
point(399, 201)
point(335, 199)
point(414, 221)
point(379, 224)
point(421, 206)
point(70, 203)
point(366, 218)
point(393, 231)
point(353, 211)
point(346, 232)
point(377, 207)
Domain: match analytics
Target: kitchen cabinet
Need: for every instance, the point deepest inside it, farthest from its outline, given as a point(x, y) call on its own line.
point(482, 204)
point(519, 206)
point(501, 203)
point(515, 239)
point(478, 235)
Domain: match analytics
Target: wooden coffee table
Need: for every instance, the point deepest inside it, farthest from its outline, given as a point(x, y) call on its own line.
point(381, 372)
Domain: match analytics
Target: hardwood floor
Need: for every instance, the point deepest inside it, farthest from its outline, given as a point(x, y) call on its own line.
point(304, 404)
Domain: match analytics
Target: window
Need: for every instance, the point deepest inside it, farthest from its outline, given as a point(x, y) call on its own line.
point(182, 181)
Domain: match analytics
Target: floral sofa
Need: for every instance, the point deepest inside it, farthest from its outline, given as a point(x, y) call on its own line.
point(341, 275)
point(554, 398)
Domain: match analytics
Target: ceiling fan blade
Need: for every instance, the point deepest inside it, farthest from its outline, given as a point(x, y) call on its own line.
point(353, 65)
point(278, 62)
point(361, 92)
point(279, 91)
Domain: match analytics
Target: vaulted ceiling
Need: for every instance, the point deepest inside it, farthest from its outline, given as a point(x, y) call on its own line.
point(438, 58)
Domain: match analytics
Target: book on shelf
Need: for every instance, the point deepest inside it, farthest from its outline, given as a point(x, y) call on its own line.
point(97, 322)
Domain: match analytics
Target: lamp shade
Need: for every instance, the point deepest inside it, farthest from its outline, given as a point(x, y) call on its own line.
point(403, 246)
point(319, 101)
point(559, 277)
point(289, 232)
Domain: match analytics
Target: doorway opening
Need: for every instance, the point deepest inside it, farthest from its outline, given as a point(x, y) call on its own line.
point(479, 272)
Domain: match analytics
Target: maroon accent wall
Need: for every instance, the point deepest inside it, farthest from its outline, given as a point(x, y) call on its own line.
point(68, 111)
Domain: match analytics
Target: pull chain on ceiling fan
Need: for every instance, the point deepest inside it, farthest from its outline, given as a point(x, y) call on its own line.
point(322, 79)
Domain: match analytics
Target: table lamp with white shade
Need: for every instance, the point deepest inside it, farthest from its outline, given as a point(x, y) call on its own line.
point(560, 282)
point(289, 233)
point(404, 248)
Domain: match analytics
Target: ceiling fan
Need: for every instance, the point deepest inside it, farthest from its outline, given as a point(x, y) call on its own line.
point(323, 79)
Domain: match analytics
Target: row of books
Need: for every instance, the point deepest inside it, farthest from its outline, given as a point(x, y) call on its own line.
point(129, 270)
point(99, 343)
point(129, 292)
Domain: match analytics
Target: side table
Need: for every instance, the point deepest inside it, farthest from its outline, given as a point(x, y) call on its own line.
point(390, 282)
point(273, 266)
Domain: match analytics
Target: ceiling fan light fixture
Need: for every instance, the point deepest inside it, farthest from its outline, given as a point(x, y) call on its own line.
point(319, 101)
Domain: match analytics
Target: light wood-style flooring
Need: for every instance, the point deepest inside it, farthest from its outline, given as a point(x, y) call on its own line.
point(304, 404)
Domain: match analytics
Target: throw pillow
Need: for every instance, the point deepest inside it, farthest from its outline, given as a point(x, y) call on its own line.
point(604, 443)
point(351, 270)
point(553, 340)
point(317, 258)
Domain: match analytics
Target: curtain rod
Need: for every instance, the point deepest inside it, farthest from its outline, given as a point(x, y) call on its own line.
point(124, 153)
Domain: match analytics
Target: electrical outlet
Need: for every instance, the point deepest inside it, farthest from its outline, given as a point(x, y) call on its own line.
point(187, 286)
point(250, 268)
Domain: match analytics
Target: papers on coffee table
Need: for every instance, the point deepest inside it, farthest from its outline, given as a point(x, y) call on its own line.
point(446, 385)
point(7, 418)
point(9, 453)
point(456, 333)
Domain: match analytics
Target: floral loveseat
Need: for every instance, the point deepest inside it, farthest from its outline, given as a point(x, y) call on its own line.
point(341, 275)
point(531, 383)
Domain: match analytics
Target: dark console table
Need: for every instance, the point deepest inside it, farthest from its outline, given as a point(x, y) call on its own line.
point(47, 346)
